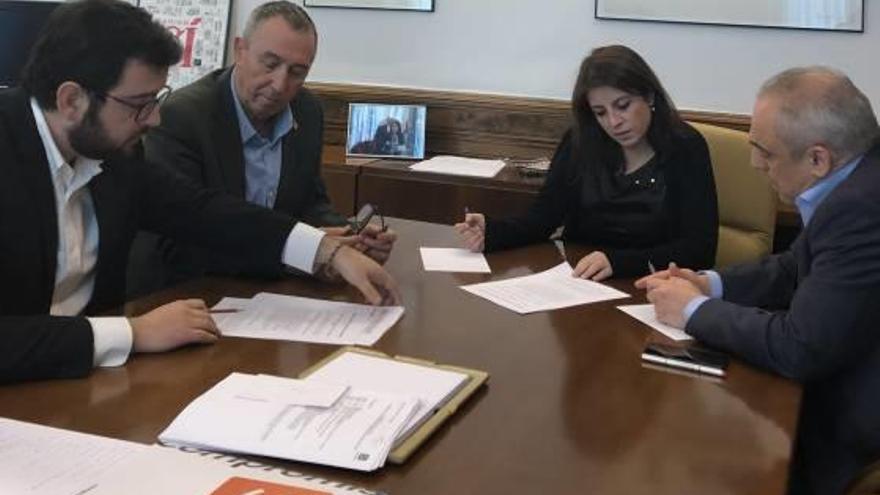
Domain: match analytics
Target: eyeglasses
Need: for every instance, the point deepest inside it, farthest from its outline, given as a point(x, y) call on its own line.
point(382, 224)
point(363, 217)
point(142, 110)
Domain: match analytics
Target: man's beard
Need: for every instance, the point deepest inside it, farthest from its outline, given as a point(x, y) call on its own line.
point(89, 139)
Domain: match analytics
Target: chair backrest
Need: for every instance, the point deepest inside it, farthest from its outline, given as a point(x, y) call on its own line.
point(866, 483)
point(746, 202)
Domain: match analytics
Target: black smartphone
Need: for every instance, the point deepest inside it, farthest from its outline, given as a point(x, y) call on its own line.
point(363, 217)
point(689, 357)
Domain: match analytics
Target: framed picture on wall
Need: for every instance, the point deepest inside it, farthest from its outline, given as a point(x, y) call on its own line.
point(420, 5)
point(390, 131)
point(829, 15)
point(201, 27)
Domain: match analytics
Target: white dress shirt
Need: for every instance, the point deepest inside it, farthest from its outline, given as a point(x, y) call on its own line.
point(78, 238)
point(78, 248)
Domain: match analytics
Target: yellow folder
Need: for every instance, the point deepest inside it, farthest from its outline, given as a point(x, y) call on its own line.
point(406, 448)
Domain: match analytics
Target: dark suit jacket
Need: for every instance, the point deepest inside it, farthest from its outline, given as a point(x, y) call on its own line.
point(128, 194)
point(200, 137)
point(821, 326)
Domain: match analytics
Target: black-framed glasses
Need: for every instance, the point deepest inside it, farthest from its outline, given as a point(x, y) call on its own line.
point(363, 217)
point(142, 110)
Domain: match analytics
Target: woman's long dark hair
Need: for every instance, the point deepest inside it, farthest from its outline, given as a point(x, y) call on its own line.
point(619, 67)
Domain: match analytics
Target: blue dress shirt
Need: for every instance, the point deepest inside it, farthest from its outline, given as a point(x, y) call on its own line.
point(262, 154)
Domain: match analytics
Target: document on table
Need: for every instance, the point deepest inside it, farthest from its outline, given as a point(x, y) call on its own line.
point(39, 460)
point(551, 289)
point(454, 260)
point(162, 470)
point(357, 431)
point(300, 319)
point(433, 386)
point(457, 165)
point(645, 314)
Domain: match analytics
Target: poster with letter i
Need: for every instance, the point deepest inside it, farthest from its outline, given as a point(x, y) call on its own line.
point(201, 27)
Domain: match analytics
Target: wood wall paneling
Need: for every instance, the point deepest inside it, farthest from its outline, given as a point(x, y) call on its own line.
point(474, 124)
point(469, 124)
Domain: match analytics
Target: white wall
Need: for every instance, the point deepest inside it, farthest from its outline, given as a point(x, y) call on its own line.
point(533, 48)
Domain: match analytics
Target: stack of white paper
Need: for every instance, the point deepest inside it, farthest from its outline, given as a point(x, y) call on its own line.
point(247, 414)
point(432, 386)
point(300, 319)
point(551, 289)
point(38, 460)
point(457, 165)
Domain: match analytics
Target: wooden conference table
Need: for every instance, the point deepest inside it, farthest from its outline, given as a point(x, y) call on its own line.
point(568, 407)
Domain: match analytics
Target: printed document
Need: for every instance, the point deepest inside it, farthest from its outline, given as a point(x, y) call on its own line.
point(432, 385)
point(40, 460)
point(551, 289)
point(300, 319)
point(356, 432)
point(457, 165)
point(645, 314)
point(454, 260)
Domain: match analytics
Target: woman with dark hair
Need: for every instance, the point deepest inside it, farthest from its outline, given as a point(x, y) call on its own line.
point(630, 179)
point(388, 139)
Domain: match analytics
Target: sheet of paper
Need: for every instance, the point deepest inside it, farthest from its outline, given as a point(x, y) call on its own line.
point(454, 260)
point(228, 303)
point(162, 470)
point(645, 314)
point(38, 460)
point(268, 388)
point(457, 165)
point(433, 386)
point(238, 303)
point(300, 319)
point(356, 432)
point(551, 289)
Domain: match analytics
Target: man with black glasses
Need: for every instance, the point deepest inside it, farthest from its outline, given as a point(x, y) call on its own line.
point(75, 190)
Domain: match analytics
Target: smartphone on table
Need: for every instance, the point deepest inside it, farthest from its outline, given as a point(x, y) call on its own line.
point(690, 357)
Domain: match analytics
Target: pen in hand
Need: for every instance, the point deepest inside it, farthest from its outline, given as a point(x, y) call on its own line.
point(651, 267)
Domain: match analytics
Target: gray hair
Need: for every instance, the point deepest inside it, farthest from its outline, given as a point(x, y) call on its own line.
point(822, 105)
point(295, 16)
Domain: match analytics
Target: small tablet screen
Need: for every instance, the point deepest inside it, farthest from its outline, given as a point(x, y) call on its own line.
point(388, 131)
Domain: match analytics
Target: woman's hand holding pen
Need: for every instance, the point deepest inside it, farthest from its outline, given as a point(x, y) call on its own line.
point(472, 231)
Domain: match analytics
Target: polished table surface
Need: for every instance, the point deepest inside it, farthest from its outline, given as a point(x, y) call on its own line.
point(568, 408)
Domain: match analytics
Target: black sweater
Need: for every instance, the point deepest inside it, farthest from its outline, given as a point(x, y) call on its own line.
point(663, 212)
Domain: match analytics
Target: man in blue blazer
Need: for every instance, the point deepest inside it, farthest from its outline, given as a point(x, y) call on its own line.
point(812, 313)
point(75, 188)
